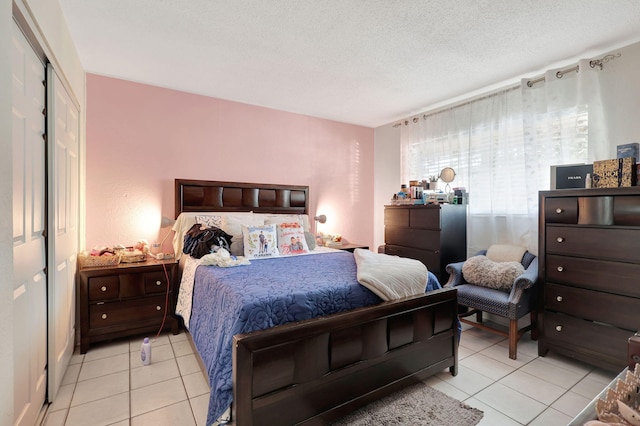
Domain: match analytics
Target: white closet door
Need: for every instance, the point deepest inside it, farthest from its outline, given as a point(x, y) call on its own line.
point(30, 281)
point(63, 130)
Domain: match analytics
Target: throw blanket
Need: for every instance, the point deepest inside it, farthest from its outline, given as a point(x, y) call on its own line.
point(390, 277)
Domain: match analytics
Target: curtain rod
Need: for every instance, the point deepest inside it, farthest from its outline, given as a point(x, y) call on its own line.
point(592, 63)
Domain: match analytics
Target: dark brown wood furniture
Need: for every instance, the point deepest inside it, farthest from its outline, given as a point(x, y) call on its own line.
point(434, 234)
point(589, 259)
point(125, 300)
point(314, 371)
point(352, 246)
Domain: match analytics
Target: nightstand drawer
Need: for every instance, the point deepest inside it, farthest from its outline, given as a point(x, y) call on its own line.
point(126, 312)
point(104, 288)
point(155, 282)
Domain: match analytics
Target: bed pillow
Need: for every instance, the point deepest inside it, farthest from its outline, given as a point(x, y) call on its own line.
point(260, 241)
point(232, 224)
point(505, 253)
point(210, 220)
point(291, 239)
point(311, 240)
point(302, 219)
point(482, 271)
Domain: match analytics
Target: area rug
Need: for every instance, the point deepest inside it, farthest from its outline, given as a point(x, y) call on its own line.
point(418, 404)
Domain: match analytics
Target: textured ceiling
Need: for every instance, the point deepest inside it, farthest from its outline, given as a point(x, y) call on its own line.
point(366, 62)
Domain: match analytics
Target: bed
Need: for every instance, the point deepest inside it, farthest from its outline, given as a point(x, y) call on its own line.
point(318, 362)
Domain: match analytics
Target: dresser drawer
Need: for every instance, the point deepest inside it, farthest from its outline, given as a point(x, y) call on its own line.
point(155, 282)
point(423, 239)
point(430, 259)
point(131, 285)
point(601, 275)
point(586, 337)
point(561, 210)
point(620, 311)
point(104, 288)
point(126, 312)
point(396, 217)
point(424, 218)
point(597, 242)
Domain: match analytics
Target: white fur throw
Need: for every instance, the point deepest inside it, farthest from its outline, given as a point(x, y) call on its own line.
point(390, 277)
point(505, 253)
point(480, 270)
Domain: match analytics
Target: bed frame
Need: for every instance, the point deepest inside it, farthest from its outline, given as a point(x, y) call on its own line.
point(316, 371)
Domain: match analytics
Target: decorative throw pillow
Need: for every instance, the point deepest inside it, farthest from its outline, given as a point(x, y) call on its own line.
point(232, 224)
point(482, 271)
point(260, 241)
point(210, 220)
point(311, 240)
point(291, 239)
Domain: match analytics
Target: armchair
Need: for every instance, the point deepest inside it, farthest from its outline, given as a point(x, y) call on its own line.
point(513, 304)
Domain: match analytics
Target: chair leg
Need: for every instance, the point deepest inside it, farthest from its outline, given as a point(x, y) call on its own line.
point(534, 325)
point(479, 317)
point(513, 339)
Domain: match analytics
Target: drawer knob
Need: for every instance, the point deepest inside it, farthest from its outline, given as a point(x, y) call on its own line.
point(559, 299)
point(104, 316)
point(103, 288)
point(158, 308)
point(558, 210)
point(558, 328)
point(560, 239)
point(560, 269)
point(158, 282)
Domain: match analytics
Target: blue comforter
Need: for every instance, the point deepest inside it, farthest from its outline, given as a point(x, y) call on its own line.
point(269, 292)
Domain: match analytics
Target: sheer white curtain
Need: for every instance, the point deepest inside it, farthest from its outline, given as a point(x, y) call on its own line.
point(502, 147)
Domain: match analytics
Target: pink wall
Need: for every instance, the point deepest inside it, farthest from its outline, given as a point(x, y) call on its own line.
point(140, 138)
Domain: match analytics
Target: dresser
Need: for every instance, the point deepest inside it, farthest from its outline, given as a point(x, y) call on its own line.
point(589, 260)
point(434, 234)
point(125, 300)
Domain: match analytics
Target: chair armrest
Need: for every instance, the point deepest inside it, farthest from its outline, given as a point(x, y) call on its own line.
point(525, 281)
point(455, 274)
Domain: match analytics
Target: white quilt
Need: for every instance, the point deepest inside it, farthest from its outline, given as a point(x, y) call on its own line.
point(390, 277)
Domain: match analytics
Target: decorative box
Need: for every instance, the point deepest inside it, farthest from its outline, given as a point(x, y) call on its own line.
point(614, 173)
point(628, 150)
point(570, 176)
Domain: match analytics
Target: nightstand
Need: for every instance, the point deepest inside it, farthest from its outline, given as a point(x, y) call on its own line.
point(125, 300)
point(351, 247)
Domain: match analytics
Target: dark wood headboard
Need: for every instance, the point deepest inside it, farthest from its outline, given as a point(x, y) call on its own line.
point(216, 196)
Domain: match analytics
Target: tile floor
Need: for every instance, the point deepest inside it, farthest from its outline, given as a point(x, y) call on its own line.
point(109, 386)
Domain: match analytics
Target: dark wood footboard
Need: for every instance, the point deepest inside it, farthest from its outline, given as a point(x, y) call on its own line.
point(316, 371)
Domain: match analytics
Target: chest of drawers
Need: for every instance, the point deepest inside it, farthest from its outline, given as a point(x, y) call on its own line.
point(590, 266)
point(433, 234)
point(125, 300)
